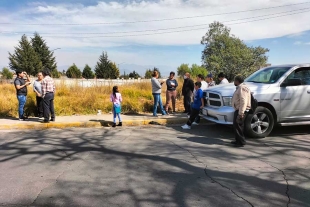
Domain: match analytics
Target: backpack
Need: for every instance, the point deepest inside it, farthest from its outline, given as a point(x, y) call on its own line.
point(254, 104)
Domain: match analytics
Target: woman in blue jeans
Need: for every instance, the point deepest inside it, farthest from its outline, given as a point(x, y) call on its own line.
point(156, 91)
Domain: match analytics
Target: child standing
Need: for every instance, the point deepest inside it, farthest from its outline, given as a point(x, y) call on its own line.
point(116, 99)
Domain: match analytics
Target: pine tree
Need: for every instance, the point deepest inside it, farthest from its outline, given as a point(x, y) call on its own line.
point(156, 69)
point(88, 73)
point(46, 56)
point(25, 58)
point(73, 72)
point(106, 69)
point(114, 74)
point(148, 74)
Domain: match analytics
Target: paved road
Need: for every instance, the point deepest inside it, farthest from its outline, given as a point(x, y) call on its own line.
point(154, 166)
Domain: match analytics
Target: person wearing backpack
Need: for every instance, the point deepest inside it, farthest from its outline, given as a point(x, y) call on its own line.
point(116, 99)
point(241, 102)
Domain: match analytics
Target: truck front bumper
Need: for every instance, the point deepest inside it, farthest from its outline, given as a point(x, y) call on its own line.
point(222, 115)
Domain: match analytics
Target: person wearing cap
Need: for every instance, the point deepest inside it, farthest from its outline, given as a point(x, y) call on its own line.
point(171, 92)
point(241, 102)
point(187, 92)
point(222, 78)
point(210, 81)
point(21, 82)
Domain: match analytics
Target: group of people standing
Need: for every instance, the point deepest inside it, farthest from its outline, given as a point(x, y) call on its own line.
point(44, 87)
point(189, 91)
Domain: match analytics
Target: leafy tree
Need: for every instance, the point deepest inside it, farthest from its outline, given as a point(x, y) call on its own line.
point(182, 69)
point(6, 73)
point(105, 68)
point(148, 74)
point(88, 73)
point(73, 72)
point(226, 53)
point(46, 56)
point(196, 70)
point(134, 75)
point(25, 58)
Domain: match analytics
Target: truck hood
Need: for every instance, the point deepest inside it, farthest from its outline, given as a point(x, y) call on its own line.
point(229, 89)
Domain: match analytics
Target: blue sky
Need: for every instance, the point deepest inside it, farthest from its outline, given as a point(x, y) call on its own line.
point(288, 37)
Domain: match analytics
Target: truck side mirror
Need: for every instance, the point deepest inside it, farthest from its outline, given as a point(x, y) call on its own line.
point(291, 82)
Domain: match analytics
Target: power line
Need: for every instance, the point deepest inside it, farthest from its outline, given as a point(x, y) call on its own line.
point(201, 28)
point(173, 28)
point(154, 20)
point(260, 18)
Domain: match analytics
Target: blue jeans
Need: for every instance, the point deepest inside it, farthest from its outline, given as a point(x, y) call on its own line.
point(116, 114)
point(157, 100)
point(21, 105)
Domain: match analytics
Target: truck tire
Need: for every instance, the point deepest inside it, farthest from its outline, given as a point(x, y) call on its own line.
point(260, 123)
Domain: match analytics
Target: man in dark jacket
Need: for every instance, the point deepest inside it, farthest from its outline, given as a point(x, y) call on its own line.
point(187, 92)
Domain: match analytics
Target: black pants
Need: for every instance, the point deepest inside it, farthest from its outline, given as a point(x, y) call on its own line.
point(197, 119)
point(194, 114)
point(48, 109)
point(239, 128)
point(187, 102)
point(39, 106)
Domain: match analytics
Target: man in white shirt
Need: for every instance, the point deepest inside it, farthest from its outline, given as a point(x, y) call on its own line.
point(222, 78)
point(204, 84)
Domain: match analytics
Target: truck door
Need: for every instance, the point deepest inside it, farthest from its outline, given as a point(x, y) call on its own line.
point(295, 96)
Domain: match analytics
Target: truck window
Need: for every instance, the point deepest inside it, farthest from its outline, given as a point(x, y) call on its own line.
point(301, 73)
point(267, 75)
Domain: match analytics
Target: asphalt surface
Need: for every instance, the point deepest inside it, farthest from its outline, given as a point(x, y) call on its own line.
point(154, 166)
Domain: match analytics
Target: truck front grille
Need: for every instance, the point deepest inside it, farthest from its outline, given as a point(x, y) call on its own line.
point(213, 95)
point(215, 103)
point(214, 99)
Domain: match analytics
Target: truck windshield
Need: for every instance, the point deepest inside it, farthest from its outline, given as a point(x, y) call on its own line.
point(267, 75)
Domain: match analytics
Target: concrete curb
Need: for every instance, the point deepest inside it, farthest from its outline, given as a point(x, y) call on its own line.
point(94, 123)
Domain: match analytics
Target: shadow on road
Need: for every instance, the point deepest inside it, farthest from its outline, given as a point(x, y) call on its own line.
point(91, 152)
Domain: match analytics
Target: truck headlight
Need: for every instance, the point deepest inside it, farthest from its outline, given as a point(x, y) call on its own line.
point(227, 101)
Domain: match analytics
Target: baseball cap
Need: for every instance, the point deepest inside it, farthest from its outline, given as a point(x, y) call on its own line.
point(210, 76)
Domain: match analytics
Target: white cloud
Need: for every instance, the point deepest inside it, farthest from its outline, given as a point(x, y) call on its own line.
point(43, 13)
point(297, 43)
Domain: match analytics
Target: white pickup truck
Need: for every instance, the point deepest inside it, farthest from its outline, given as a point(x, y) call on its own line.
point(283, 95)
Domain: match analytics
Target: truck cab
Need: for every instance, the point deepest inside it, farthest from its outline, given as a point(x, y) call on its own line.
point(283, 95)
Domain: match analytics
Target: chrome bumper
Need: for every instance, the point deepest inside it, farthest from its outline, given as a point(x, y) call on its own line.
point(222, 115)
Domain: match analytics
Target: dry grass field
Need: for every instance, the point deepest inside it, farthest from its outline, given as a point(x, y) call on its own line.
point(77, 100)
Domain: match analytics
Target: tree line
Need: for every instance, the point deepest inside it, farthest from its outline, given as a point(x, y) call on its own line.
point(223, 52)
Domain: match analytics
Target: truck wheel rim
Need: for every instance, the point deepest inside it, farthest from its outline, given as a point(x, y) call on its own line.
point(260, 123)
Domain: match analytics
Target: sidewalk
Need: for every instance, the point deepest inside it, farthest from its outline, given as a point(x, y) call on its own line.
point(93, 121)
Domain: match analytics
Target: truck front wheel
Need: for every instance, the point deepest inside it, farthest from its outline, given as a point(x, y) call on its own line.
point(259, 124)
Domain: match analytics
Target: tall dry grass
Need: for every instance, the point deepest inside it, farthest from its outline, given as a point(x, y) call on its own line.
point(78, 100)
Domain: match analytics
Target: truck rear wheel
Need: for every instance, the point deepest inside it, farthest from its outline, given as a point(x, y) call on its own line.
point(259, 124)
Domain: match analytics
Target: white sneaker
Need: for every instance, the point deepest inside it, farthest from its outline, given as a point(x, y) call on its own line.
point(195, 123)
point(186, 127)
